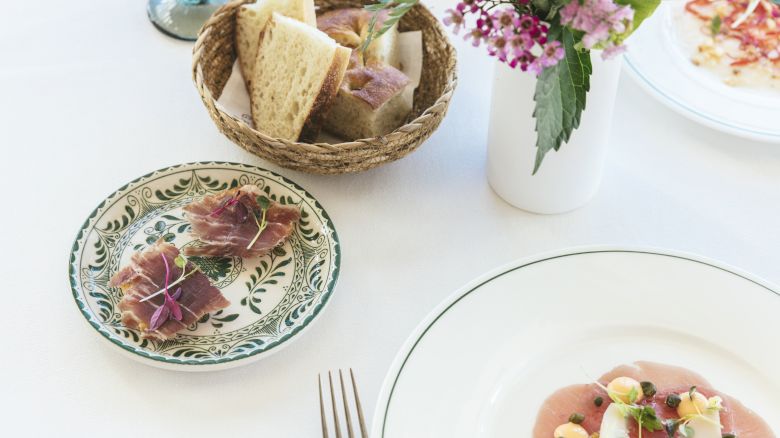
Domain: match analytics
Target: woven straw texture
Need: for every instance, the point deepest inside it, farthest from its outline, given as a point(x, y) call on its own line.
point(215, 53)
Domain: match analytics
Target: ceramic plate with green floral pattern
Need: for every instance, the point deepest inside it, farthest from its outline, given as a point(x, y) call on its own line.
point(273, 298)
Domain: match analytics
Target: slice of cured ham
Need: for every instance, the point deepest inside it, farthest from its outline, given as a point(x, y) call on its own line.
point(227, 223)
point(145, 275)
point(735, 417)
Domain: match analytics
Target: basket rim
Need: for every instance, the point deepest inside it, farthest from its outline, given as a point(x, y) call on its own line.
point(321, 147)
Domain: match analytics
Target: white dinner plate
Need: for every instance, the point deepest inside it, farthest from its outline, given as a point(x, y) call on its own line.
point(658, 58)
point(273, 298)
point(483, 361)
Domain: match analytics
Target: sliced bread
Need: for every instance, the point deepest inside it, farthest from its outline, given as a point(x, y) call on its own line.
point(252, 19)
point(297, 73)
point(349, 27)
point(370, 102)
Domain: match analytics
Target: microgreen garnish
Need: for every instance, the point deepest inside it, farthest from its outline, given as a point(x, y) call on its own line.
point(715, 25)
point(181, 262)
point(681, 424)
point(691, 393)
point(225, 204)
point(170, 308)
point(645, 416)
point(264, 204)
point(633, 395)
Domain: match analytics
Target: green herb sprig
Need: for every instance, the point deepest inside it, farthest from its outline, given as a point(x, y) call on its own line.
point(395, 10)
point(715, 25)
point(645, 416)
point(264, 204)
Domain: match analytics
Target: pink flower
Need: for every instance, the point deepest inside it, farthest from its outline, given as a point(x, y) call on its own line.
point(469, 5)
point(527, 22)
point(552, 53)
point(603, 22)
point(506, 19)
point(519, 43)
point(511, 32)
point(497, 46)
point(536, 67)
point(476, 37)
point(454, 19)
point(525, 59)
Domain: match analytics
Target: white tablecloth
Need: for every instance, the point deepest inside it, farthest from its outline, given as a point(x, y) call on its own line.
point(93, 96)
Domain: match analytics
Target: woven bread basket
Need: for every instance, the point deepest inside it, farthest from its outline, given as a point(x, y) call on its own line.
point(213, 58)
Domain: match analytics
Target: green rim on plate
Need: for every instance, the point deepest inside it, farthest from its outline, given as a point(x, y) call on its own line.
point(394, 374)
point(273, 298)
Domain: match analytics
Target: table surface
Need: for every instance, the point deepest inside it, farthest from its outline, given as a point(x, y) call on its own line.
point(93, 96)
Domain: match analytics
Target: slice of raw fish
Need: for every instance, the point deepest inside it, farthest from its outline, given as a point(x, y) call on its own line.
point(735, 417)
point(145, 275)
point(227, 229)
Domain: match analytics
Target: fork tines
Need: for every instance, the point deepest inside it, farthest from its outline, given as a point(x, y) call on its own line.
point(345, 404)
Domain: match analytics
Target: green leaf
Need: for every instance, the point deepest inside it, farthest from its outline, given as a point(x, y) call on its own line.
point(633, 394)
point(642, 9)
point(560, 95)
point(645, 417)
point(715, 25)
point(263, 202)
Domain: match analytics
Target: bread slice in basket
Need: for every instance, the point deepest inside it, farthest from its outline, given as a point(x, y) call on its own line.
point(297, 73)
point(370, 102)
point(252, 18)
point(349, 27)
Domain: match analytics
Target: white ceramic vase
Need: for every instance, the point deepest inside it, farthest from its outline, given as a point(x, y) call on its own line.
point(569, 177)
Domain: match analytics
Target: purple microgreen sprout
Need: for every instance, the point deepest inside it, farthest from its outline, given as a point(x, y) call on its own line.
point(169, 307)
point(264, 204)
point(225, 204)
point(181, 262)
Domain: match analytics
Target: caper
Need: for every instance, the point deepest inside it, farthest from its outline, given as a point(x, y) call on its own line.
point(648, 389)
point(598, 401)
point(576, 418)
point(729, 435)
point(673, 400)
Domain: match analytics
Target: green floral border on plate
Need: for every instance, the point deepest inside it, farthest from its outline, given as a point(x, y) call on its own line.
point(76, 248)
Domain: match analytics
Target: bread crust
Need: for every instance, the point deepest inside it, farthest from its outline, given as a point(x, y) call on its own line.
point(374, 84)
point(241, 55)
point(328, 90)
point(248, 84)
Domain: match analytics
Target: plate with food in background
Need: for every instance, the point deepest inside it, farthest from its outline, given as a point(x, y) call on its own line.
point(714, 61)
point(601, 342)
point(204, 266)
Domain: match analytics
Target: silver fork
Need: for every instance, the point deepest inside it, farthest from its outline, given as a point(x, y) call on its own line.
point(345, 404)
